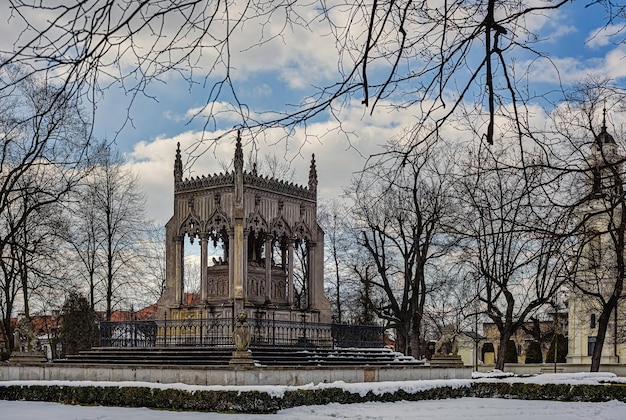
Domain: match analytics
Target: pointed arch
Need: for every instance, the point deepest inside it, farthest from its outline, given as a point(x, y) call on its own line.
point(217, 227)
point(191, 226)
point(280, 227)
point(302, 231)
point(256, 223)
point(217, 222)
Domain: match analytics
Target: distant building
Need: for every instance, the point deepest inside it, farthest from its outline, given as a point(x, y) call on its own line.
point(541, 331)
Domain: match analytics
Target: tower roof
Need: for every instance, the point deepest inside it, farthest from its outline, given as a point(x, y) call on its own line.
point(604, 137)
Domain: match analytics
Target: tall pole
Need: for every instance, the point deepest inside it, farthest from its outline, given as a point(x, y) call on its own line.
point(556, 323)
point(238, 264)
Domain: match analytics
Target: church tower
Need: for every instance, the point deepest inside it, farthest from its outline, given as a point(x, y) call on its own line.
point(596, 265)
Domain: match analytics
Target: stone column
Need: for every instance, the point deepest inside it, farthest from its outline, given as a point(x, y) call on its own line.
point(238, 264)
point(311, 280)
point(244, 264)
point(268, 268)
point(290, 272)
point(179, 242)
point(238, 245)
point(204, 256)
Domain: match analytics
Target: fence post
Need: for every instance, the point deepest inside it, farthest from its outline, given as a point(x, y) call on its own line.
point(303, 315)
point(165, 330)
point(201, 328)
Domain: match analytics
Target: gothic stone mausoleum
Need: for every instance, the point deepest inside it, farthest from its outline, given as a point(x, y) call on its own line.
point(266, 247)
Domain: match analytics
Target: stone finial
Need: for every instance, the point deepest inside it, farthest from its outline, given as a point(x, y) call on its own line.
point(178, 165)
point(238, 162)
point(313, 175)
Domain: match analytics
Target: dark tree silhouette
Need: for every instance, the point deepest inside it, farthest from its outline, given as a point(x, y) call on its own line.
point(79, 329)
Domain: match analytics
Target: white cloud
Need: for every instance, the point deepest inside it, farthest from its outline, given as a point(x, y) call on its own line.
point(571, 70)
point(605, 35)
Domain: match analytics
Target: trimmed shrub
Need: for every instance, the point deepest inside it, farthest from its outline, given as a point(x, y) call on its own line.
point(510, 353)
point(561, 342)
point(263, 403)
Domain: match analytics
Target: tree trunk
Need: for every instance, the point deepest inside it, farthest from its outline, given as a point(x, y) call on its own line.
point(6, 322)
point(416, 347)
point(402, 340)
point(603, 325)
point(505, 336)
point(338, 288)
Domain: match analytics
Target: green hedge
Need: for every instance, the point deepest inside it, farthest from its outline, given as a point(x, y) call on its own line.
point(263, 403)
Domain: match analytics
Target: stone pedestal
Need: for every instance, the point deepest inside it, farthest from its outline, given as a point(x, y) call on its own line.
point(447, 361)
point(28, 357)
point(241, 358)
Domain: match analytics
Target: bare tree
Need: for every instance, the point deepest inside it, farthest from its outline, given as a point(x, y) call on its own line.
point(341, 285)
point(111, 212)
point(515, 243)
point(398, 207)
point(597, 163)
point(153, 265)
point(437, 55)
point(85, 240)
point(44, 144)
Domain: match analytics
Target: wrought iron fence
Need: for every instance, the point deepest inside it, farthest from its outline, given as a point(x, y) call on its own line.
point(217, 332)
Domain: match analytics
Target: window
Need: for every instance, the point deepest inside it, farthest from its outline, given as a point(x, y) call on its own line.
point(591, 345)
point(592, 321)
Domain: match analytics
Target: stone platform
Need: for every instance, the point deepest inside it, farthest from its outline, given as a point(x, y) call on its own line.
point(226, 375)
point(28, 357)
point(446, 361)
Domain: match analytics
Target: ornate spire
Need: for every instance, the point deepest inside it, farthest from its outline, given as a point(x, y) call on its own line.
point(238, 162)
point(178, 165)
point(313, 175)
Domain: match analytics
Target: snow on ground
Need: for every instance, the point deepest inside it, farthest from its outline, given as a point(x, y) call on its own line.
point(579, 378)
point(464, 408)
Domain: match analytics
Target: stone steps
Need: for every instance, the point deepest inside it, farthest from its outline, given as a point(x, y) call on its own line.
point(264, 356)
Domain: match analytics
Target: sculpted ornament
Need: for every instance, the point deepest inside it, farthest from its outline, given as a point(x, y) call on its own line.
point(241, 335)
point(447, 344)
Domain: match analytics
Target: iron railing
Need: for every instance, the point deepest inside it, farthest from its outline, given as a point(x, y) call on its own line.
point(217, 332)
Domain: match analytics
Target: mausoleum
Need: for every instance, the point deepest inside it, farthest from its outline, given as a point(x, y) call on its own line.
point(265, 243)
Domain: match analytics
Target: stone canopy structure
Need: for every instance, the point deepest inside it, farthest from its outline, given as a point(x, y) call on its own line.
point(255, 226)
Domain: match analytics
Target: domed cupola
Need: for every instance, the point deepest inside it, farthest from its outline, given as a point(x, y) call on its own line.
point(604, 137)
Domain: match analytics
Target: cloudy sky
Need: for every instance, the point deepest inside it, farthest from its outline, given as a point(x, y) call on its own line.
point(283, 71)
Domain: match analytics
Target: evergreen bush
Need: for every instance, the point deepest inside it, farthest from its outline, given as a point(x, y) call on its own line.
point(263, 403)
point(510, 353)
point(561, 342)
point(533, 353)
point(79, 330)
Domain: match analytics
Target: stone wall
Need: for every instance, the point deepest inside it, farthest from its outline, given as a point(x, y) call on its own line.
point(226, 376)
